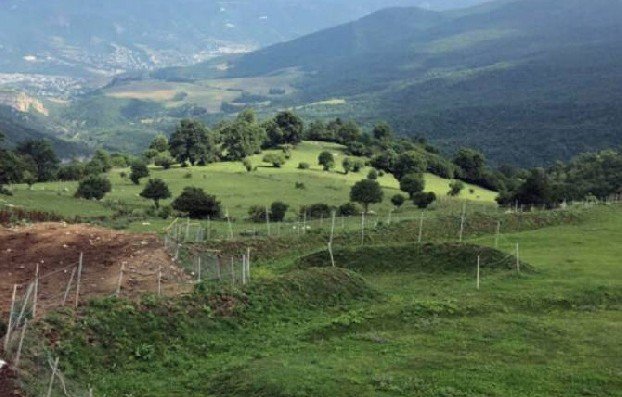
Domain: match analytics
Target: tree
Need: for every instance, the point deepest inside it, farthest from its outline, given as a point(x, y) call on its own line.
point(317, 131)
point(348, 132)
point(366, 192)
point(276, 160)
point(139, 170)
point(43, 157)
point(291, 126)
point(164, 160)
point(455, 188)
point(197, 204)
point(12, 169)
point(278, 210)
point(326, 160)
point(156, 190)
point(73, 171)
point(242, 138)
point(398, 200)
point(372, 174)
point(101, 160)
point(382, 132)
point(93, 187)
point(471, 163)
point(384, 161)
point(347, 165)
point(412, 183)
point(159, 144)
point(411, 162)
point(423, 200)
point(193, 142)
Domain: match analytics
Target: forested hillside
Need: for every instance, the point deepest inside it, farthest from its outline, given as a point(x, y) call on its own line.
point(526, 81)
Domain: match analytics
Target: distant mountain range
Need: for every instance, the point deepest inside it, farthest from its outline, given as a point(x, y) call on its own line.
point(88, 38)
point(528, 81)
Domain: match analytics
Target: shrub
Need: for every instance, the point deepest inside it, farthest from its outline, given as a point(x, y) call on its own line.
point(276, 160)
point(398, 200)
point(188, 175)
point(247, 165)
point(455, 188)
point(197, 204)
point(93, 187)
point(303, 166)
point(347, 165)
point(326, 160)
point(373, 174)
point(412, 183)
point(348, 209)
point(278, 210)
point(300, 186)
point(164, 160)
point(423, 200)
point(139, 170)
point(366, 192)
point(257, 213)
point(315, 211)
point(156, 190)
point(357, 165)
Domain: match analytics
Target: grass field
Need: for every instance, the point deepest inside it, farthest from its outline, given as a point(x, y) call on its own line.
point(404, 330)
point(235, 188)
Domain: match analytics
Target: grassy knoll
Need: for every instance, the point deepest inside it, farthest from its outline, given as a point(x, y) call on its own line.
point(404, 332)
point(236, 189)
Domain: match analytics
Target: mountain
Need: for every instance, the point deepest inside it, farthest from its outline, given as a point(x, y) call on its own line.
point(527, 81)
point(92, 39)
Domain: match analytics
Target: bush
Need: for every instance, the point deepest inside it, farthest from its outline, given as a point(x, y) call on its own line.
point(278, 210)
point(348, 209)
point(315, 211)
point(197, 204)
point(300, 186)
point(164, 160)
point(303, 166)
point(276, 160)
point(139, 170)
point(247, 165)
point(326, 160)
point(94, 187)
point(257, 213)
point(398, 200)
point(423, 200)
point(412, 183)
point(455, 188)
point(373, 174)
point(156, 190)
point(366, 192)
point(357, 165)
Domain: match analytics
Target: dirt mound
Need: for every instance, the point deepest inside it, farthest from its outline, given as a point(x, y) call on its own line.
point(56, 248)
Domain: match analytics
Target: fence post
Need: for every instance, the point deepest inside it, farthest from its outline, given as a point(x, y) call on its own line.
point(268, 220)
point(54, 368)
point(36, 293)
point(232, 272)
point(462, 218)
point(199, 268)
point(497, 234)
point(73, 274)
point(389, 217)
point(160, 280)
point(10, 324)
point(248, 264)
point(478, 260)
point(79, 279)
point(330, 251)
point(18, 355)
point(332, 226)
point(362, 227)
point(517, 260)
point(120, 280)
point(420, 237)
point(230, 226)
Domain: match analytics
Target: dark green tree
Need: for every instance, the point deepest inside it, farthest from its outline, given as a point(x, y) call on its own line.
point(412, 183)
point(197, 204)
point(156, 190)
point(291, 126)
point(139, 170)
point(382, 132)
point(411, 162)
point(42, 155)
point(93, 187)
point(471, 163)
point(278, 210)
point(366, 192)
point(398, 200)
point(326, 160)
point(192, 142)
point(347, 165)
point(455, 188)
point(423, 200)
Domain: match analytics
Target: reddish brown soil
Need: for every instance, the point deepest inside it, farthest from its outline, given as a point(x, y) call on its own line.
point(56, 247)
point(8, 386)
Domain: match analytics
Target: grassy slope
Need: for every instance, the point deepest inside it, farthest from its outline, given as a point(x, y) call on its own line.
point(236, 189)
point(550, 333)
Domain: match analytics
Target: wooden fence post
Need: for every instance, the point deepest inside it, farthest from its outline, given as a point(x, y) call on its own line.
point(10, 323)
point(120, 280)
point(79, 279)
point(36, 293)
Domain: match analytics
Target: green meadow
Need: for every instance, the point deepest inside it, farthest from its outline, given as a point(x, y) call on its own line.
point(400, 320)
point(236, 188)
